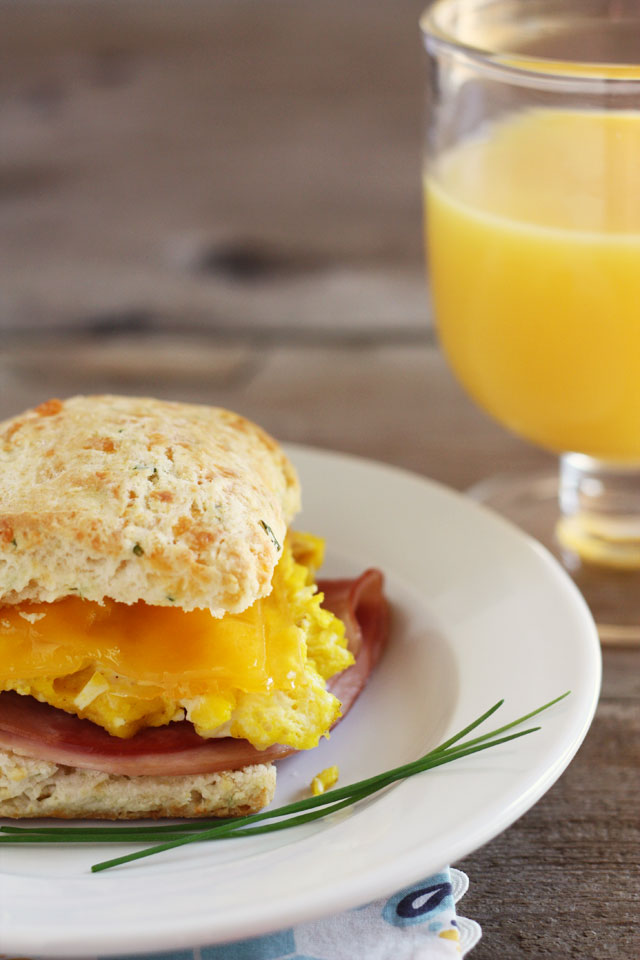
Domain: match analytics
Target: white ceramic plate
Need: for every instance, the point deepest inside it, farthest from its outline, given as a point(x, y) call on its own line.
point(480, 612)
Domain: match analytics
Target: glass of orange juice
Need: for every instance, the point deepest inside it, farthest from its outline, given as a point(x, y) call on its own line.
point(532, 189)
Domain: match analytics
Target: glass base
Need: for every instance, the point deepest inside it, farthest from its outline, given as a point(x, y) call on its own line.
point(609, 579)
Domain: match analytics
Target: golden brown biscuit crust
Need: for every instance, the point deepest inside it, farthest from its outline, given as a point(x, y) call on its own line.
point(141, 499)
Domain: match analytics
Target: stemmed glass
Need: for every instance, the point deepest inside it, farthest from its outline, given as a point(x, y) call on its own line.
point(532, 188)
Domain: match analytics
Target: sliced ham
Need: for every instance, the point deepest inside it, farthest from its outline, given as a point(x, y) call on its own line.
point(39, 730)
point(363, 608)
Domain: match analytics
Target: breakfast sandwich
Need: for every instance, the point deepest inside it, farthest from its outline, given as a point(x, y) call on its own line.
point(162, 637)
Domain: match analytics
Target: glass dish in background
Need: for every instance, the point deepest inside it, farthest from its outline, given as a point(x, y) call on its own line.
point(533, 235)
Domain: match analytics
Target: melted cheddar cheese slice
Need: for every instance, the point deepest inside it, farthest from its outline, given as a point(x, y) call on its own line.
point(259, 675)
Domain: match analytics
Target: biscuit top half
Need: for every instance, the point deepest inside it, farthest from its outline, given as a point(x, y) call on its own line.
point(139, 499)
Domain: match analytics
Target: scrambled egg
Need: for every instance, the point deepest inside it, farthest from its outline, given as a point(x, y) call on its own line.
point(259, 675)
point(324, 780)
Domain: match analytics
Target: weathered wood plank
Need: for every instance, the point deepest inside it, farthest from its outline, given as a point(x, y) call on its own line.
point(564, 881)
point(393, 403)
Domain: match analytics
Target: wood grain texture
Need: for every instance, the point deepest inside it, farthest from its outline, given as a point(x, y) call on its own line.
point(563, 880)
point(220, 202)
point(184, 146)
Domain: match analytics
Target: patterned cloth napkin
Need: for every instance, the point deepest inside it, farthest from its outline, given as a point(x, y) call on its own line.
point(418, 923)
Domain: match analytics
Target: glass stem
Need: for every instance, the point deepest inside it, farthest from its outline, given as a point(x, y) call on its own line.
point(600, 512)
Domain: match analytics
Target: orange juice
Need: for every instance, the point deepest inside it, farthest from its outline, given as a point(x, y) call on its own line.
point(534, 250)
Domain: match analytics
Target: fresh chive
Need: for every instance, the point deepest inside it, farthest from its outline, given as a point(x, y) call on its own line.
point(34, 836)
point(472, 726)
point(167, 837)
point(515, 723)
point(267, 529)
point(232, 833)
point(115, 830)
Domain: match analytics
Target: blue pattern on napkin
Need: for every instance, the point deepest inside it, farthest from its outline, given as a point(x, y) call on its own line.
point(274, 946)
point(416, 904)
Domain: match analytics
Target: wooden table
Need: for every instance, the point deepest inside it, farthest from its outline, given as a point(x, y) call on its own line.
point(220, 202)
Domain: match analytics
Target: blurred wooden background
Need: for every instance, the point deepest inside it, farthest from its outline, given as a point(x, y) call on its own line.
point(220, 201)
point(212, 154)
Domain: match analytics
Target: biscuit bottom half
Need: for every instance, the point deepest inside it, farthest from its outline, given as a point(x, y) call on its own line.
point(39, 788)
